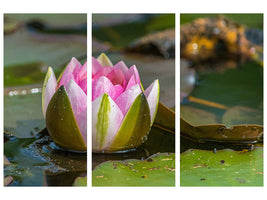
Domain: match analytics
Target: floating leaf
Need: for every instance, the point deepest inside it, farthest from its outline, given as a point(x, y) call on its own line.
point(220, 133)
point(224, 168)
point(226, 107)
point(157, 170)
point(23, 115)
point(165, 118)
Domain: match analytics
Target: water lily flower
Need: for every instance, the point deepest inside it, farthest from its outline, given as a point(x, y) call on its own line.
point(64, 103)
point(122, 111)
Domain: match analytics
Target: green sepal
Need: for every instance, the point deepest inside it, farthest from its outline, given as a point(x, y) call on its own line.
point(104, 60)
point(61, 123)
point(135, 126)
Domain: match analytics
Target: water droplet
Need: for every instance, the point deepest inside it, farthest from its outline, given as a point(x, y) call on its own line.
point(34, 90)
point(24, 92)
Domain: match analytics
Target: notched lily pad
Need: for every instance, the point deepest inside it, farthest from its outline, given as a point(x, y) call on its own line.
point(220, 133)
point(157, 170)
point(223, 168)
point(165, 118)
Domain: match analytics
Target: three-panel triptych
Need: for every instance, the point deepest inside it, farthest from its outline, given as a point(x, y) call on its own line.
point(139, 121)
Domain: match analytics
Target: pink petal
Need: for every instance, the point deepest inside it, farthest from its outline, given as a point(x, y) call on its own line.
point(102, 72)
point(103, 85)
point(131, 82)
point(83, 85)
point(119, 89)
point(126, 99)
point(116, 77)
point(71, 72)
point(49, 89)
point(82, 73)
point(122, 66)
point(82, 124)
point(96, 66)
point(132, 71)
point(152, 95)
point(77, 97)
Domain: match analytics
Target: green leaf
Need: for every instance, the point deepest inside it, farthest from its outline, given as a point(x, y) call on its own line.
point(61, 123)
point(135, 126)
point(223, 168)
point(220, 133)
point(23, 116)
point(157, 170)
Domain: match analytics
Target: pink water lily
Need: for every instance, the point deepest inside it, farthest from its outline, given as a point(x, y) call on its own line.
point(64, 105)
point(122, 111)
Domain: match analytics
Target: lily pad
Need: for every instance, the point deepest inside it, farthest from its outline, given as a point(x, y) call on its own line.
point(157, 170)
point(23, 115)
point(220, 133)
point(226, 106)
point(165, 118)
point(223, 168)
